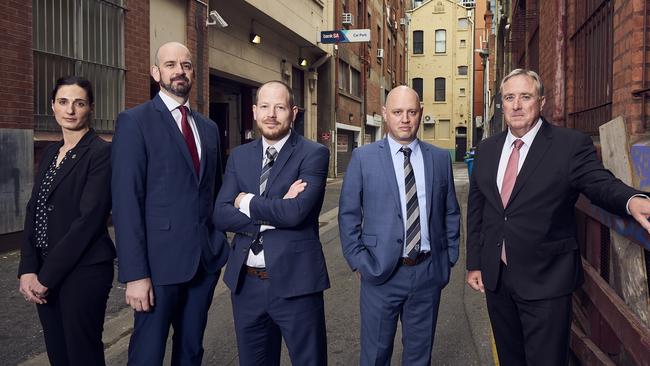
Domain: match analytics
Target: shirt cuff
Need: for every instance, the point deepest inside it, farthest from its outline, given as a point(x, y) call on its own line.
point(627, 205)
point(245, 204)
point(266, 227)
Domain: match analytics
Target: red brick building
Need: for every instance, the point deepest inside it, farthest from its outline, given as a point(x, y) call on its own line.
point(593, 57)
point(366, 72)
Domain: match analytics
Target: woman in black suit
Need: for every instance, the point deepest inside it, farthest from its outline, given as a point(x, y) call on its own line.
point(66, 264)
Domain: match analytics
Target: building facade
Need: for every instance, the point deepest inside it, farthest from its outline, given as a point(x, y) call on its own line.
point(365, 72)
point(440, 69)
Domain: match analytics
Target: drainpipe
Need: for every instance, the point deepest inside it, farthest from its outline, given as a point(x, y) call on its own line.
point(558, 113)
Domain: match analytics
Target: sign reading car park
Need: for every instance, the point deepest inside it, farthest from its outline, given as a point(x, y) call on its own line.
point(345, 36)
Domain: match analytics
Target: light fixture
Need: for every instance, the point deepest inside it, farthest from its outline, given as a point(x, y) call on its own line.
point(254, 37)
point(302, 61)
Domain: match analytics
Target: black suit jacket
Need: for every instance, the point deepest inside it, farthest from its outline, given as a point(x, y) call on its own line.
point(78, 207)
point(538, 224)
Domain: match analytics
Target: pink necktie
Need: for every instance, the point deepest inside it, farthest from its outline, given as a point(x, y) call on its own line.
point(508, 184)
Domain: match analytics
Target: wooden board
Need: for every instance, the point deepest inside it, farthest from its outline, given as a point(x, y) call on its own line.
point(628, 274)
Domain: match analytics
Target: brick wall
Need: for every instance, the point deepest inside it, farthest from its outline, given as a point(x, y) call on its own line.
point(197, 42)
point(16, 96)
point(136, 42)
point(628, 63)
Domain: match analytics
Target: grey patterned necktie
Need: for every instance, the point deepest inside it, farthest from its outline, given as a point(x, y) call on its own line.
point(271, 154)
point(413, 238)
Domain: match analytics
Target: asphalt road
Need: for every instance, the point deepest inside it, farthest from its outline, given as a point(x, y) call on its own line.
point(462, 336)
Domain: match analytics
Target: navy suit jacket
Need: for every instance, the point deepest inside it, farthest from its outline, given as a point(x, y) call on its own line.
point(370, 215)
point(161, 209)
point(292, 251)
point(538, 224)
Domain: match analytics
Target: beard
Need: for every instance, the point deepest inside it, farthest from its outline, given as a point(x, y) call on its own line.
point(180, 90)
point(275, 134)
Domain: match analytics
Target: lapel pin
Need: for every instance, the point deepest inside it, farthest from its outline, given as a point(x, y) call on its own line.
point(74, 156)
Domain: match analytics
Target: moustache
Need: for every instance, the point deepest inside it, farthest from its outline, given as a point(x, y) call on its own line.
point(181, 78)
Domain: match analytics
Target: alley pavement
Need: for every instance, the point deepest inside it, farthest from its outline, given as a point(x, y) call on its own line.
point(463, 335)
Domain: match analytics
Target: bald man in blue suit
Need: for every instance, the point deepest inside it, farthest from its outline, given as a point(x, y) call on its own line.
point(399, 225)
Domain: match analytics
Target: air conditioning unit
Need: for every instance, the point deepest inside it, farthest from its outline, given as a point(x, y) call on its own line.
point(380, 53)
point(429, 121)
point(402, 21)
point(347, 18)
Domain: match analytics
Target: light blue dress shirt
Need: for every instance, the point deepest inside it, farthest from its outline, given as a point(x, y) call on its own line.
point(417, 162)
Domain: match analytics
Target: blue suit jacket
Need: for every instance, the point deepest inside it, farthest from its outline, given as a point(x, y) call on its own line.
point(161, 209)
point(370, 216)
point(292, 251)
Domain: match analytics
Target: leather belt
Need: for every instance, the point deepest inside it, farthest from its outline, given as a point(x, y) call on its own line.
point(257, 272)
point(419, 259)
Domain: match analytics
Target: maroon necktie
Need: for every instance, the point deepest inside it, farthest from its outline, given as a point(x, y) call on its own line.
point(188, 135)
point(508, 184)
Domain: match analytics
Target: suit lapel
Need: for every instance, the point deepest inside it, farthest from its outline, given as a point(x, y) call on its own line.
point(255, 162)
point(540, 145)
point(176, 134)
point(387, 166)
point(200, 128)
point(492, 161)
point(427, 158)
point(283, 156)
point(77, 153)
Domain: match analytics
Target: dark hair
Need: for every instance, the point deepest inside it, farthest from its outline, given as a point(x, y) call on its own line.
point(74, 80)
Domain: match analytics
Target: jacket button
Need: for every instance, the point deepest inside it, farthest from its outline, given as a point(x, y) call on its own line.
point(50, 208)
point(505, 218)
point(498, 244)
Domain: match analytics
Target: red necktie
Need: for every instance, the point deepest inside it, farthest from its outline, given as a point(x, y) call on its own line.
point(188, 135)
point(508, 184)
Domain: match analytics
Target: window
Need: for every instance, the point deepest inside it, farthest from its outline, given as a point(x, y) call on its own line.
point(83, 38)
point(462, 70)
point(441, 41)
point(418, 42)
point(355, 86)
point(418, 85)
point(349, 79)
point(463, 23)
point(344, 76)
point(463, 43)
point(462, 92)
point(439, 90)
point(440, 7)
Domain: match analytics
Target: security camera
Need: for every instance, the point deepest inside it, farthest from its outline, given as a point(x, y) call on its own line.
point(215, 19)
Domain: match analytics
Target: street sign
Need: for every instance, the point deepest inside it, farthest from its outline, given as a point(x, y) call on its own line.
point(345, 36)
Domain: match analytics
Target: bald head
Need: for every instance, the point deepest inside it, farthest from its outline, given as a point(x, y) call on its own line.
point(403, 93)
point(402, 114)
point(170, 47)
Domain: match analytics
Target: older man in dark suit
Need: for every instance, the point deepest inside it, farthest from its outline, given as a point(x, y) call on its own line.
point(521, 245)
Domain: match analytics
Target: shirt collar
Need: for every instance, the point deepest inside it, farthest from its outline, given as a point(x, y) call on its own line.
point(171, 103)
point(527, 138)
point(278, 145)
point(395, 146)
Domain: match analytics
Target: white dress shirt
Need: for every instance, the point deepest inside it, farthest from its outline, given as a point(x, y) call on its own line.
point(508, 145)
point(257, 260)
point(173, 105)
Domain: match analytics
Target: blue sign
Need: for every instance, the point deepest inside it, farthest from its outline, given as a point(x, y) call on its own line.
point(345, 36)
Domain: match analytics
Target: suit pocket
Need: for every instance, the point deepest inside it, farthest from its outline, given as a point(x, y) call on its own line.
point(158, 223)
point(369, 240)
point(558, 246)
